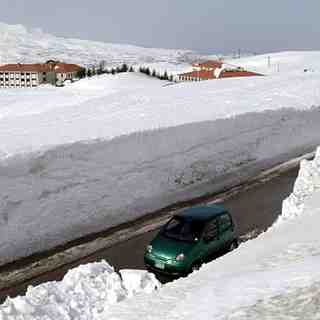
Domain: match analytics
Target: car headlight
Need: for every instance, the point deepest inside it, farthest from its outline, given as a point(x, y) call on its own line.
point(149, 248)
point(180, 257)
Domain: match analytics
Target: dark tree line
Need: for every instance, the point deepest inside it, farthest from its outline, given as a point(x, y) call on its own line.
point(101, 69)
point(153, 73)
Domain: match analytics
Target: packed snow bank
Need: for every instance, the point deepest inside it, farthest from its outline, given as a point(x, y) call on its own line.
point(271, 277)
point(109, 106)
point(137, 281)
point(307, 183)
point(73, 190)
point(84, 293)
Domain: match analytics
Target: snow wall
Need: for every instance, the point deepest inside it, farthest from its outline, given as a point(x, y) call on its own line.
point(306, 185)
point(50, 198)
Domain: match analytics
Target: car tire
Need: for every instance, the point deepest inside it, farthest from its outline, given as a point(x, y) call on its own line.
point(234, 245)
point(196, 266)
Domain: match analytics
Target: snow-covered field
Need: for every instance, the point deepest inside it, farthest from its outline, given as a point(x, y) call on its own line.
point(293, 62)
point(108, 149)
point(109, 106)
point(275, 276)
point(20, 44)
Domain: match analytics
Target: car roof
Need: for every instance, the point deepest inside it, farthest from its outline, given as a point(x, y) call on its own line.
point(203, 213)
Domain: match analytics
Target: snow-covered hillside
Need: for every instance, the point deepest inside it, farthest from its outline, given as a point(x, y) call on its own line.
point(109, 106)
point(19, 44)
point(281, 63)
point(108, 149)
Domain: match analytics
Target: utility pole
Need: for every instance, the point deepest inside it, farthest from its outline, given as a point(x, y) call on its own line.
point(269, 62)
point(239, 53)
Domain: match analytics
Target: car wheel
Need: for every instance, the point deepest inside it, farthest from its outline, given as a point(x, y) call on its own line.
point(234, 245)
point(196, 266)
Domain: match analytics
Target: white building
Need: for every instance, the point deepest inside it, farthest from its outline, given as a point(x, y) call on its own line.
point(32, 75)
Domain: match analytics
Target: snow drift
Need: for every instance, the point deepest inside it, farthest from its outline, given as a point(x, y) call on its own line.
point(83, 294)
point(307, 183)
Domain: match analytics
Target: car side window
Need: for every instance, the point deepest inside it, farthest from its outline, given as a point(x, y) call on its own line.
point(225, 222)
point(211, 230)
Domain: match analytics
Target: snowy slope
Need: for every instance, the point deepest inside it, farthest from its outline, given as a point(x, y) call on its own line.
point(109, 106)
point(108, 149)
point(19, 44)
point(275, 276)
point(281, 63)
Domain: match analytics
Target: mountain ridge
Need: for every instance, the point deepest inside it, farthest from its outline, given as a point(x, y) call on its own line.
point(20, 44)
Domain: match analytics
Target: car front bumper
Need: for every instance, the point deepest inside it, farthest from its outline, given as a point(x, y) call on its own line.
point(169, 267)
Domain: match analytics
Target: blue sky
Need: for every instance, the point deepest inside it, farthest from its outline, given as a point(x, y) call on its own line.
point(209, 26)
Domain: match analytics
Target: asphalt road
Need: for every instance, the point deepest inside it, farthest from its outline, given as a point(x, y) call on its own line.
point(254, 210)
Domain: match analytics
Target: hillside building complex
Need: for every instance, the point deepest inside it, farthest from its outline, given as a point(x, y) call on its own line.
point(209, 70)
point(32, 75)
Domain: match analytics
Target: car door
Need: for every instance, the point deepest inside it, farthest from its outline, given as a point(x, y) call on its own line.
point(211, 239)
point(226, 232)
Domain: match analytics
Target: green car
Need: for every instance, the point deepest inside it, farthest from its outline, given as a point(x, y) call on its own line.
point(190, 238)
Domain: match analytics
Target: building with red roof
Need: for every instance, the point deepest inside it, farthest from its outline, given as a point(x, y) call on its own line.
point(214, 69)
point(32, 75)
point(207, 65)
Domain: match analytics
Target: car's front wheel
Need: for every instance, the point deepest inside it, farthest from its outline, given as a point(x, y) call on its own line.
point(234, 245)
point(196, 266)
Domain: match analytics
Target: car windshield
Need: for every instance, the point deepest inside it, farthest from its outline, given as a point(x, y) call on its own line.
point(183, 229)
